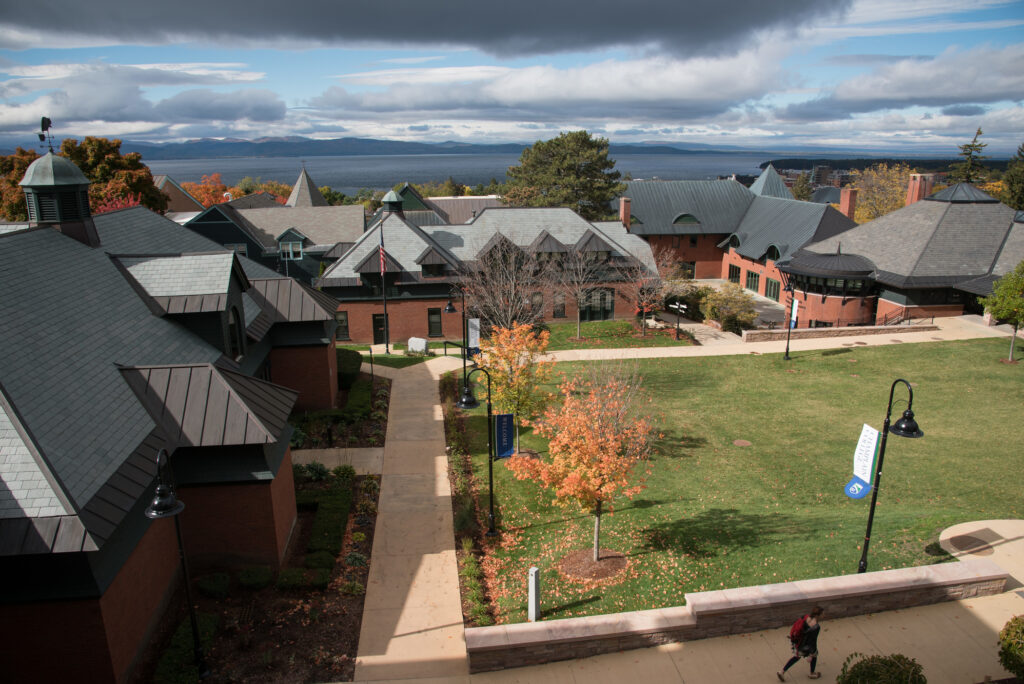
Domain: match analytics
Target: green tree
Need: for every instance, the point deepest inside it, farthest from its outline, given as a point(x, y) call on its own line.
point(492, 188)
point(730, 306)
point(970, 169)
point(572, 170)
point(1013, 181)
point(1007, 300)
point(802, 187)
point(12, 197)
point(114, 176)
point(333, 197)
point(880, 189)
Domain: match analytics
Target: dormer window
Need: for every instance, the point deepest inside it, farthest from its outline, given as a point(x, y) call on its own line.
point(433, 270)
point(773, 253)
point(291, 251)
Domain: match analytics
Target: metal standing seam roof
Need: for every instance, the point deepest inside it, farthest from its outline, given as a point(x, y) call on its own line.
point(53, 170)
point(463, 209)
point(718, 206)
point(286, 299)
point(787, 225)
point(770, 184)
point(202, 405)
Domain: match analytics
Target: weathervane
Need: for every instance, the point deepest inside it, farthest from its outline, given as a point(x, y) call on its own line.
point(44, 135)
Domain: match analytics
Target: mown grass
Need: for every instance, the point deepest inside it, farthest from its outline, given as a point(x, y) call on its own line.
point(610, 335)
point(717, 515)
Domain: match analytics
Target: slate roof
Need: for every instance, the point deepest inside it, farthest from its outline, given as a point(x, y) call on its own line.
point(827, 194)
point(305, 193)
point(942, 242)
point(256, 200)
point(190, 274)
point(463, 209)
point(718, 206)
point(405, 243)
point(770, 184)
point(322, 224)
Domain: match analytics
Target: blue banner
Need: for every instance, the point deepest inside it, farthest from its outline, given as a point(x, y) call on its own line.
point(857, 488)
point(504, 435)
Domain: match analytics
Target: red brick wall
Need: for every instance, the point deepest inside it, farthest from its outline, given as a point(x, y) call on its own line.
point(840, 311)
point(706, 255)
point(98, 639)
point(765, 271)
point(235, 524)
point(885, 308)
point(312, 371)
point(409, 318)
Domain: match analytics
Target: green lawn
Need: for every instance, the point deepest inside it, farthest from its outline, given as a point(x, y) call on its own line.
point(609, 335)
point(717, 515)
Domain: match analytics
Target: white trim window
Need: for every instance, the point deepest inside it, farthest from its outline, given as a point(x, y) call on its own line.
point(291, 251)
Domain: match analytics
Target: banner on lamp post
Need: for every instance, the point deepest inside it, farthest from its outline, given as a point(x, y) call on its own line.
point(865, 458)
point(504, 435)
point(795, 309)
point(473, 343)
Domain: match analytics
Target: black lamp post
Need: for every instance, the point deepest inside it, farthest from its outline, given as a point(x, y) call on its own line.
point(490, 454)
point(467, 400)
point(904, 427)
point(166, 505)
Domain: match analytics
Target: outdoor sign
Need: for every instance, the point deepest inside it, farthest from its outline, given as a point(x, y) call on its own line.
point(504, 435)
point(474, 336)
point(796, 308)
point(864, 460)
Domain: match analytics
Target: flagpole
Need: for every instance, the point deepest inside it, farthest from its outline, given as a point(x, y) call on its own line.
point(384, 290)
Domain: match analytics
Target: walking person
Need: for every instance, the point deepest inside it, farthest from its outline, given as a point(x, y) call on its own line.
point(804, 638)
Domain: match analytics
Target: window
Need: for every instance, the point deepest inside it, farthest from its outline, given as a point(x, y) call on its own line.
point(734, 242)
point(734, 274)
point(693, 240)
point(771, 289)
point(239, 248)
point(236, 342)
point(537, 302)
point(433, 323)
point(753, 280)
point(559, 311)
point(433, 270)
point(291, 251)
point(773, 253)
point(342, 318)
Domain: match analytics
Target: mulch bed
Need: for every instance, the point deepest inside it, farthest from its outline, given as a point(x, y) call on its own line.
point(580, 565)
point(325, 432)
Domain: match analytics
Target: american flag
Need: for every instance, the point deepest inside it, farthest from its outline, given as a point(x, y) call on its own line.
point(381, 249)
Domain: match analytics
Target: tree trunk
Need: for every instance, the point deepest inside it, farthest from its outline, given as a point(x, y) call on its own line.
point(597, 532)
point(516, 423)
point(579, 324)
point(1013, 339)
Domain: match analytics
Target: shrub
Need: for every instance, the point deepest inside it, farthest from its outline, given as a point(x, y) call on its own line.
point(1011, 646)
point(332, 506)
point(354, 559)
point(255, 577)
point(177, 665)
point(880, 669)
point(371, 486)
point(215, 585)
point(366, 507)
point(299, 578)
point(730, 306)
point(349, 363)
point(298, 472)
point(298, 437)
point(316, 472)
point(352, 588)
point(360, 400)
point(358, 537)
point(344, 474)
point(319, 559)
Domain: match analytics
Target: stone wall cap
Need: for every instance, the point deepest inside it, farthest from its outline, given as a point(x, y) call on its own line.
point(486, 638)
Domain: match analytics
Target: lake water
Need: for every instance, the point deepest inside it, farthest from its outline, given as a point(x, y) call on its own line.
point(348, 174)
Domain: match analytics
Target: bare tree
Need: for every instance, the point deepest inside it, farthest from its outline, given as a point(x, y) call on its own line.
point(501, 285)
point(646, 285)
point(579, 273)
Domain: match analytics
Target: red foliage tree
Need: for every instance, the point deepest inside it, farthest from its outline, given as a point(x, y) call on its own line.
point(209, 191)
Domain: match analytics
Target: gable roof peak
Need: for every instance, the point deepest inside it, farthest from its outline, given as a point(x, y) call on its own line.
point(305, 193)
point(770, 184)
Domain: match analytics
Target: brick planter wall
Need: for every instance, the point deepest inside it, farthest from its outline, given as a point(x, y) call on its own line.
point(811, 333)
point(729, 611)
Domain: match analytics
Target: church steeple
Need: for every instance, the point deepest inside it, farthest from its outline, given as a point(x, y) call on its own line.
point(57, 195)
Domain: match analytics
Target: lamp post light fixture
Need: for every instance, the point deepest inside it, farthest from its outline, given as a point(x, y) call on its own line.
point(166, 505)
point(904, 427)
point(467, 401)
point(490, 454)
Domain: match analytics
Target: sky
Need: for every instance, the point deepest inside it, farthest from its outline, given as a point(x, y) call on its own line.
point(880, 76)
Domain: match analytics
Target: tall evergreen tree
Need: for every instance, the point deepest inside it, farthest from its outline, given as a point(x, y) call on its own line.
point(802, 187)
point(1013, 181)
point(970, 169)
point(572, 170)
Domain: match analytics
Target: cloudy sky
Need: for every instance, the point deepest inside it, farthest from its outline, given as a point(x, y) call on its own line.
point(877, 75)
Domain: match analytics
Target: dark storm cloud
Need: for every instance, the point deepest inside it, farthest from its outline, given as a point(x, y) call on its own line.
point(520, 28)
point(201, 105)
point(964, 110)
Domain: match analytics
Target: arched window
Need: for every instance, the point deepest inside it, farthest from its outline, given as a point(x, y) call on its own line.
point(773, 253)
point(685, 220)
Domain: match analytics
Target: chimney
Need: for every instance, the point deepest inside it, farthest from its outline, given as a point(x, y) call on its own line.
point(848, 201)
point(624, 212)
point(920, 186)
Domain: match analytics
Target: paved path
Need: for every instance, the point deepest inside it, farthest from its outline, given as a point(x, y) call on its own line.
point(412, 626)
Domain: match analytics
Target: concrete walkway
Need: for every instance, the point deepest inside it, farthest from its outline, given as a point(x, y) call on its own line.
point(412, 626)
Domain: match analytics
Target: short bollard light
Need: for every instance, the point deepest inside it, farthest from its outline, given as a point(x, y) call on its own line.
point(534, 609)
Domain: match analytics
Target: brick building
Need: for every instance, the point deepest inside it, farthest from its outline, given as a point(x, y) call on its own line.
point(125, 334)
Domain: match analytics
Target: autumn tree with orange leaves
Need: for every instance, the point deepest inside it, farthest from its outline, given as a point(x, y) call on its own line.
point(513, 358)
point(599, 438)
point(209, 191)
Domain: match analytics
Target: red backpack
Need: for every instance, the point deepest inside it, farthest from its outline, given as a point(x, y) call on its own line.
point(796, 632)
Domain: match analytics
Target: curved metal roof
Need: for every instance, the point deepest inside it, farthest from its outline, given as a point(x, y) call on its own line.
point(50, 170)
point(829, 265)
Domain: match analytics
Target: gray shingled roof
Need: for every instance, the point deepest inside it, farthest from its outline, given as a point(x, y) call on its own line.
point(305, 193)
point(770, 184)
point(323, 225)
point(190, 274)
point(26, 490)
point(256, 200)
point(933, 243)
point(717, 205)
point(787, 225)
point(826, 194)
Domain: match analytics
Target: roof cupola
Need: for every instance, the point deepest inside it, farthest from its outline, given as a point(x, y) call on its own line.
point(57, 195)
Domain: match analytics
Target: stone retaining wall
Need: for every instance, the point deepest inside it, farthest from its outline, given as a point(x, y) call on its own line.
point(810, 333)
point(729, 611)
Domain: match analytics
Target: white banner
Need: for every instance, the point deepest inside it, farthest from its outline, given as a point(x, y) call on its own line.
point(474, 333)
point(864, 460)
point(796, 308)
